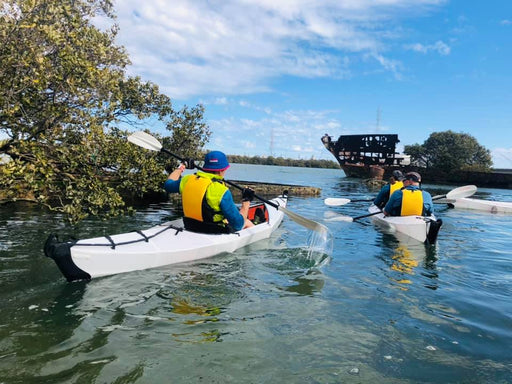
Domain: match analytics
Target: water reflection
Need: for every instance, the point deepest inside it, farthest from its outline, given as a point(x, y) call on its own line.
point(198, 300)
point(405, 259)
point(307, 285)
point(292, 270)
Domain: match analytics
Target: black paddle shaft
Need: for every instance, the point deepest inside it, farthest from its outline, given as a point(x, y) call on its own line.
point(367, 215)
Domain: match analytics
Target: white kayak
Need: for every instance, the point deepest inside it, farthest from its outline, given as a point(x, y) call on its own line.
point(164, 244)
point(482, 205)
point(420, 228)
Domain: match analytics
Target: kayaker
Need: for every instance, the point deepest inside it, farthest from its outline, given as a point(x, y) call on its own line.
point(411, 199)
point(395, 183)
point(208, 205)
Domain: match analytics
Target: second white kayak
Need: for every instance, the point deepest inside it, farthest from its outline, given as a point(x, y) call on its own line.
point(421, 228)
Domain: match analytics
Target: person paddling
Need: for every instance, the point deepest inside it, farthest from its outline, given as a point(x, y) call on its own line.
point(395, 183)
point(410, 200)
point(208, 205)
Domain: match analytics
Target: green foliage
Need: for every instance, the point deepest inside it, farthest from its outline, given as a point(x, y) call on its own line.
point(449, 151)
point(271, 160)
point(418, 155)
point(63, 94)
point(188, 135)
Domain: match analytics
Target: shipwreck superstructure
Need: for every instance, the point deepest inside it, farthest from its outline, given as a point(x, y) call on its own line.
point(367, 156)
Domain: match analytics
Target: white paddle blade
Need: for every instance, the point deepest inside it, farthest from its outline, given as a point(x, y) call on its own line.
point(310, 224)
point(145, 140)
point(333, 216)
point(461, 192)
point(335, 201)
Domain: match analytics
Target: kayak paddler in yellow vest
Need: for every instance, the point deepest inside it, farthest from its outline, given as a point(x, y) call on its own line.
point(411, 200)
point(395, 183)
point(208, 205)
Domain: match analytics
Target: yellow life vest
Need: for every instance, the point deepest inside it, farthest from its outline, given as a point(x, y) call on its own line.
point(395, 187)
point(201, 196)
point(412, 202)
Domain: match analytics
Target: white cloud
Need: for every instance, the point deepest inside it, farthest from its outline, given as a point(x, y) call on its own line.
point(439, 47)
point(248, 144)
point(292, 134)
point(221, 101)
point(506, 22)
point(393, 66)
point(199, 47)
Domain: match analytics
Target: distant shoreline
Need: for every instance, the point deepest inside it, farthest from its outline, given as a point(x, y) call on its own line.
point(285, 162)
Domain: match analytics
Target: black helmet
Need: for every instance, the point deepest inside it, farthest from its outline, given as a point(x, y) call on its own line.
point(414, 176)
point(397, 175)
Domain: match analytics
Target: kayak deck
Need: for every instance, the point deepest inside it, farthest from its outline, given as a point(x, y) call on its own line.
point(164, 244)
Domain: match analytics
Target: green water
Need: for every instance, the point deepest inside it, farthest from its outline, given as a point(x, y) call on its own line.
point(377, 312)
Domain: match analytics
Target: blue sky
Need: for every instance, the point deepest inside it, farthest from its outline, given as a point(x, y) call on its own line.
point(275, 75)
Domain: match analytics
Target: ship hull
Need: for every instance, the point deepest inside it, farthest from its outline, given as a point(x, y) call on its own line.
point(363, 171)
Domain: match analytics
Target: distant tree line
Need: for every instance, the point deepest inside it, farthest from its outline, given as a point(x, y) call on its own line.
point(271, 160)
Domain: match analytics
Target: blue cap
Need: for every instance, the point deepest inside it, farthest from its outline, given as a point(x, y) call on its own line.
point(215, 161)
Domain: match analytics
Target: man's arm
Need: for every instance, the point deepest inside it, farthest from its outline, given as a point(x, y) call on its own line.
point(428, 204)
point(382, 197)
point(393, 205)
point(230, 211)
point(172, 184)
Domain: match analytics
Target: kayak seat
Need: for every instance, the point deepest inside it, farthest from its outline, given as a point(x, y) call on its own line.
point(258, 213)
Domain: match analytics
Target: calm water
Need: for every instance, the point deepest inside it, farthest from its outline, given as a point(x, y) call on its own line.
point(378, 312)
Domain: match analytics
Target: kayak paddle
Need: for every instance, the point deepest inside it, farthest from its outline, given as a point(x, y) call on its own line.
point(456, 193)
point(337, 201)
point(145, 140)
point(348, 218)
